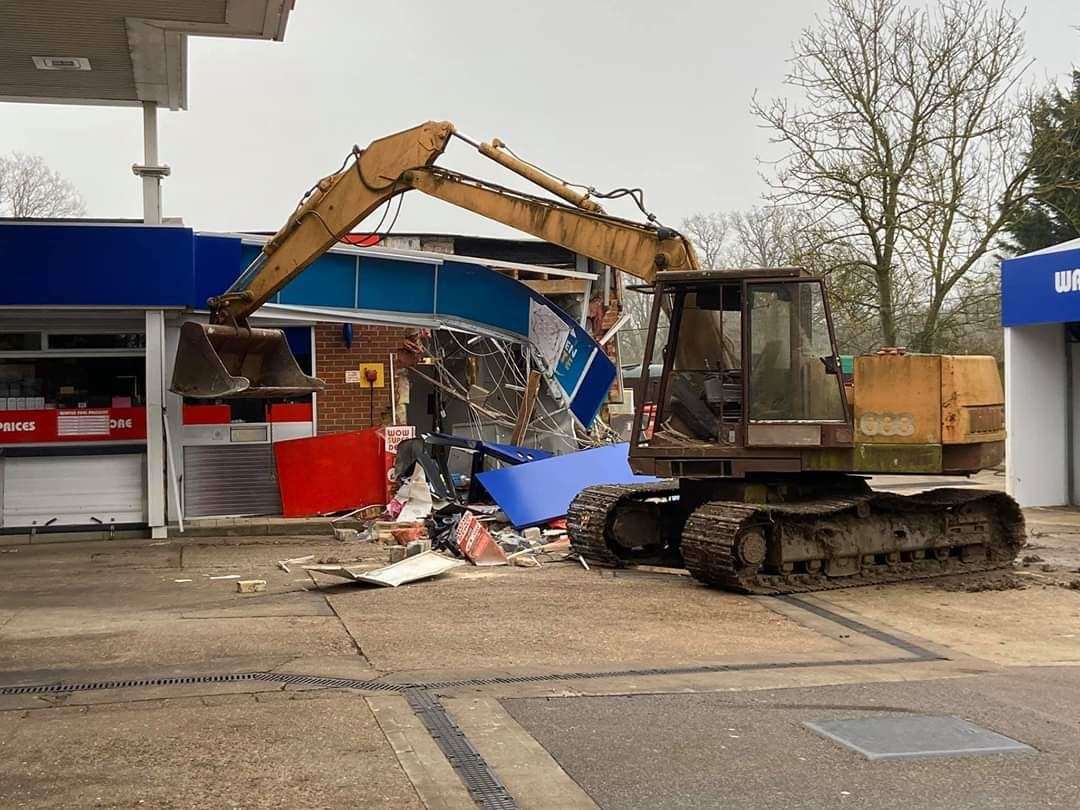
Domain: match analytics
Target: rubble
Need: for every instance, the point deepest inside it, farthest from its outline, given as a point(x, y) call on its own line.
point(476, 543)
point(284, 564)
point(251, 585)
point(426, 565)
point(347, 535)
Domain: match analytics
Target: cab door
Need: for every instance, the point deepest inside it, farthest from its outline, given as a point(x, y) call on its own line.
point(794, 388)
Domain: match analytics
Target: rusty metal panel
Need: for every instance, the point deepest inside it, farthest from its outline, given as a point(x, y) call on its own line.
point(898, 458)
point(972, 400)
point(898, 399)
point(829, 459)
point(789, 435)
point(970, 458)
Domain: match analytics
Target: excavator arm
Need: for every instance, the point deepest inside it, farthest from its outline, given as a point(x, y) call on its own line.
point(228, 358)
point(404, 161)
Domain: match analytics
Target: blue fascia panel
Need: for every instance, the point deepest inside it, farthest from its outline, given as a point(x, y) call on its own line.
point(218, 261)
point(474, 293)
point(1044, 288)
point(390, 285)
point(594, 388)
point(329, 281)
point(96, 265)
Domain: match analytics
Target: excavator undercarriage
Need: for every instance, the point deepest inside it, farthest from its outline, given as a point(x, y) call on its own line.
point(832, 532)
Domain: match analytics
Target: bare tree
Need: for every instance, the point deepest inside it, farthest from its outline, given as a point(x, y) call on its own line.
point(29, 188)
point(709, 234)
point(907, 145)
point(770, 236)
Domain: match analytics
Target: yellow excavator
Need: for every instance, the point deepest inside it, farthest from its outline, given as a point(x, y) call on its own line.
point(762, 448)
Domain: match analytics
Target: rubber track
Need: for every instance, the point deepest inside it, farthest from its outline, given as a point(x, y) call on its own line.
point(589, 514)
point(709, 535)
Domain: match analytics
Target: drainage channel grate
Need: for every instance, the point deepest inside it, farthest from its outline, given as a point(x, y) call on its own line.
point(318, 681)
point(482, 783)
point(133, 683)
point(329, 683)
point(865, 629)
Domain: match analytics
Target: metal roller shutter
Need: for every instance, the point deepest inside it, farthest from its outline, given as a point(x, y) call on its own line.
point(74, 490)
point(226, 480)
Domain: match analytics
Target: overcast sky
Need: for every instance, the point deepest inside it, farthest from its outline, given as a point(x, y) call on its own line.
point(605, 92)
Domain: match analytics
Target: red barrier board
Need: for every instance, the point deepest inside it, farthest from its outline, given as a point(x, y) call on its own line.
point(72, 425)
point(324, 474)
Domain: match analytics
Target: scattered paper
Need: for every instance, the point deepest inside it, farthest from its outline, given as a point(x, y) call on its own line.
point(547, 332)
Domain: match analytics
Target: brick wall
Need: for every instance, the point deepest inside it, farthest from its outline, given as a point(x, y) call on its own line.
point(345, 406)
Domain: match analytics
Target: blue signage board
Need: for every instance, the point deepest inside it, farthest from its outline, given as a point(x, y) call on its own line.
point(1041, 288)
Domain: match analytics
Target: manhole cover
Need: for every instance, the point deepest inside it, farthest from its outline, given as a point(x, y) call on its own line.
point(915, 736)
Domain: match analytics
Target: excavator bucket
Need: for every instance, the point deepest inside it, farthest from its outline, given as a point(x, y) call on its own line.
point(218, 361)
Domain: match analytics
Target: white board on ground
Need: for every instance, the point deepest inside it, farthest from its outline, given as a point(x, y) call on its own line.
point(425, 565)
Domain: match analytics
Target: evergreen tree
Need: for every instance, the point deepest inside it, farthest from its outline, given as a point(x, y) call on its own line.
point(1052, 215)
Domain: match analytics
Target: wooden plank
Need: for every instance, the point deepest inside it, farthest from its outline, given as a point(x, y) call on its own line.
point(557, 286)
point(528, 402)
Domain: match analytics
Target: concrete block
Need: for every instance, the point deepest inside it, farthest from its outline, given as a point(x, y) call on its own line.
point(417, 547)
point(532, 533)
point(250, 585)
point(397, 553)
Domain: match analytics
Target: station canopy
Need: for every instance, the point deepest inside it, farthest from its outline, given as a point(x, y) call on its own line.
point(118, 52)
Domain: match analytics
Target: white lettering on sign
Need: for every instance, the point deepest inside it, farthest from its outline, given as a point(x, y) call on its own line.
point(886, 424)
point(1067, 281)
point(18, 427)
point(121, 424)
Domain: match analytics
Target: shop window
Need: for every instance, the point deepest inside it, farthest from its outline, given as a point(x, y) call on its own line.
point(20, 341)
point(70, 382)
point(63, 341)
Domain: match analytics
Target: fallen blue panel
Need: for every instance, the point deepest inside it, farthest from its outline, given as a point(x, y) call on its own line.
point(512, 454)
point(534, 493)
point(593, 388)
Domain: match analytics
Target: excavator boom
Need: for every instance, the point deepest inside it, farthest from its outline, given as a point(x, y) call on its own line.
point(229, 359)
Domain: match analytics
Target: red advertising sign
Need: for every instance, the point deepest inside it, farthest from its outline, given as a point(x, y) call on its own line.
point(72, 425)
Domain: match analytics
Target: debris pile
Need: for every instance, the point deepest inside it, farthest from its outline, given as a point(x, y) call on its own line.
point(508, 510)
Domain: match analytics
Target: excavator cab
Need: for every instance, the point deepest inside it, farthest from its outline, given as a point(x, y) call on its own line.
point(749, 361)
point(216, 361)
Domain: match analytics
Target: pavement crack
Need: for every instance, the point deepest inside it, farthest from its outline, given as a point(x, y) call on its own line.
point(348, 632)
